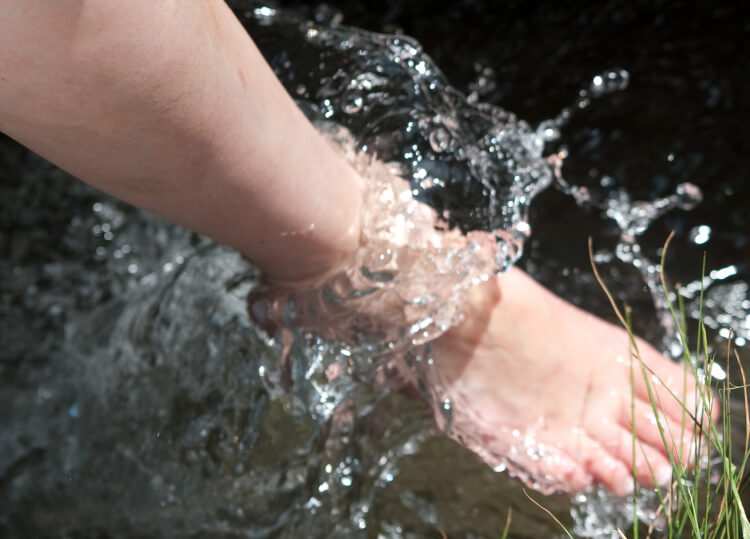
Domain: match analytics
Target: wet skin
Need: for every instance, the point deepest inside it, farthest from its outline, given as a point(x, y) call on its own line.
point(527, 371)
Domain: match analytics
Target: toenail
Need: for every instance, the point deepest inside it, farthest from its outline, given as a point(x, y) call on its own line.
point(663, 475)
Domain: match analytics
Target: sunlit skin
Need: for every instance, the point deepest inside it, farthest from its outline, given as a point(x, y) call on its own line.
point(170, 106)
point(526, 360)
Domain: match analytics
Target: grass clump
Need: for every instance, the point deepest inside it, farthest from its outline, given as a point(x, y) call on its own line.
point(703, 501)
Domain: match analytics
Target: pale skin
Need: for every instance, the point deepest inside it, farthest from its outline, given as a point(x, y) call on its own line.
point(169, 105)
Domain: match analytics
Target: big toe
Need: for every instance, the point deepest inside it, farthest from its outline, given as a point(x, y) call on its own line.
point(607, 469)
point(675, 439)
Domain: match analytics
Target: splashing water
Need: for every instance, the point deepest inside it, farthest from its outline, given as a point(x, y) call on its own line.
point(152, 389)
point(510, 168)
point(477, 165)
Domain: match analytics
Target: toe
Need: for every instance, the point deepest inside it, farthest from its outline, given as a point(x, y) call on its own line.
point(543, 467)
point(671, 386)
point(570, 475)
point(659, 431)
point(607, 470)
point(649, 465)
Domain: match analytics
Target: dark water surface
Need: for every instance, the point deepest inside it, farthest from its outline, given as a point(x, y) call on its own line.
point(130, 404)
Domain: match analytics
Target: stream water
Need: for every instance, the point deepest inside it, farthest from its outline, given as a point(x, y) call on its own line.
point(137, 399)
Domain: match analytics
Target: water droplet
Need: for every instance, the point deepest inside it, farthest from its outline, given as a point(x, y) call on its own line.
point(700, 234)
point(353, 103)
point(612, 80)
point(717, 372)
point(548, 131)
point(607, 181)
point(523, 229)
point(264, 15)
point(688, 196)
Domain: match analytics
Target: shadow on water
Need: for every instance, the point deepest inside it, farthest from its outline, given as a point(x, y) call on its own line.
point(130, 398)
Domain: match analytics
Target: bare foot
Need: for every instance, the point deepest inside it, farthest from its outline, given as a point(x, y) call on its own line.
point(544, 387)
